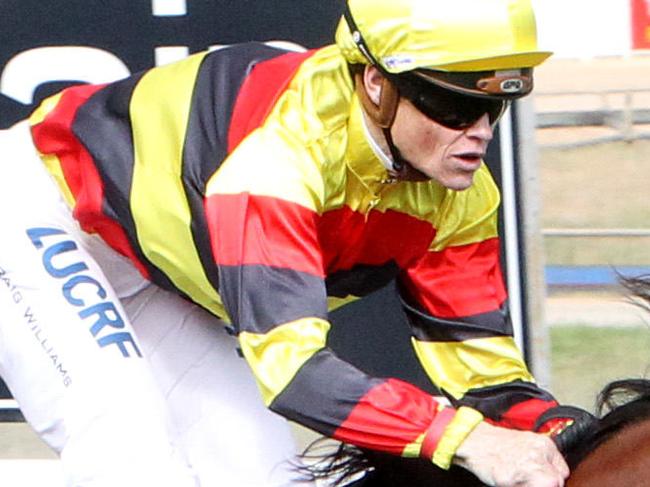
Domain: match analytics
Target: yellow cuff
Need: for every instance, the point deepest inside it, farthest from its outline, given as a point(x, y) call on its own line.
point(455, 433)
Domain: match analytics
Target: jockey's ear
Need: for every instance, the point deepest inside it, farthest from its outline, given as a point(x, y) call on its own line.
point(568, 426)
point(379, 97)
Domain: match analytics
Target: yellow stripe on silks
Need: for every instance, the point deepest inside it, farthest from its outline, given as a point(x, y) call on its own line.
point(276, 357)
point(281, 170)
point(44, 109)
point(458, 367)
point(412, 450)
point(470, 216)
point(51, 161)
point(305, 127)
point(333, 302)
point(159, 111)
point(53, 165)
point(464, 422)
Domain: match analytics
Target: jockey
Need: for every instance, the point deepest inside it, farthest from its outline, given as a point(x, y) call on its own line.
point(253, 190)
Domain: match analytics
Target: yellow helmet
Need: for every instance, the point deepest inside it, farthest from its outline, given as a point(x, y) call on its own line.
point(442, 35)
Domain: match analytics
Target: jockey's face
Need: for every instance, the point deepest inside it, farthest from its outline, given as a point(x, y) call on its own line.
point(449, 156)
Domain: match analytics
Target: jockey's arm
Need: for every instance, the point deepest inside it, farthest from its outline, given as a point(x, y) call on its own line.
point(456, 304)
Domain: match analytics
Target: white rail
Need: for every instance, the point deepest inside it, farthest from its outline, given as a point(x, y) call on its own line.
point(596, 232)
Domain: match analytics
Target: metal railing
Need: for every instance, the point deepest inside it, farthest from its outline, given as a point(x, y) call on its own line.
point(596, 232)
point(574, 275)
point(614, 109)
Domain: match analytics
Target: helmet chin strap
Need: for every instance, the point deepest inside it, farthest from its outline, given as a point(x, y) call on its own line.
point(404, 169)
point(383, 115)
point(398, 161)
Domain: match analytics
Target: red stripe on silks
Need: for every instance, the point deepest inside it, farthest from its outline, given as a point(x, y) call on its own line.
point(262, 230)
point(459, 281)
point(54, 136)
point(435, 432)
point(389, 417)
point(523, 415)
point(349, 238)
point(259, 93)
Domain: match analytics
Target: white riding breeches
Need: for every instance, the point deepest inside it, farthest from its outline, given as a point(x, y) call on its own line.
point(130, 384)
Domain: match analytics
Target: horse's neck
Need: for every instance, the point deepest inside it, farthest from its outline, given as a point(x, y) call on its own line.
point(622, 460)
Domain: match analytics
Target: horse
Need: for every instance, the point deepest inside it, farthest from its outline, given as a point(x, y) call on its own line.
point(616, 452)
point(612, 450)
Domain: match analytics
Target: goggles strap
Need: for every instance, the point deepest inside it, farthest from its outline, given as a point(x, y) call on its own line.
point(398, 160)
point(361, 42)
point(385, 113)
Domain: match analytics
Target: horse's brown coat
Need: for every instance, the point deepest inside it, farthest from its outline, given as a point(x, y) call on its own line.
point(621, 461)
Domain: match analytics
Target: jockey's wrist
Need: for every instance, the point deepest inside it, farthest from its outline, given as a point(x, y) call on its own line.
point(461, 425)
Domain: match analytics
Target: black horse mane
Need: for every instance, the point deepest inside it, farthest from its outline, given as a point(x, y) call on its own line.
point(346, 463)
point(320, 462)
point(639, 288)
point(621, 403)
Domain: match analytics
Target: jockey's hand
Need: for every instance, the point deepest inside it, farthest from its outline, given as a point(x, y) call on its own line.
point(507, 458)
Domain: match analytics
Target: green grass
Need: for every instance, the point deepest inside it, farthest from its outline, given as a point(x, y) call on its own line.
point(597, 186)
point(584, 359)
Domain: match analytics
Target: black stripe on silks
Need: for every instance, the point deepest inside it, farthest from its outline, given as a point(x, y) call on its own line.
point(103, 126)
point(361, 280)
point(427, 328)
point(219, 79)
point(494, 401)
point(258, 298)
point(323, 393)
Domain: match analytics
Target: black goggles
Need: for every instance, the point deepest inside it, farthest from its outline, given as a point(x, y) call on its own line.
point(448, 108)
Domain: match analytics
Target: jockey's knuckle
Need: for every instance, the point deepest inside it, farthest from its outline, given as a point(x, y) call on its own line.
point(543, 442)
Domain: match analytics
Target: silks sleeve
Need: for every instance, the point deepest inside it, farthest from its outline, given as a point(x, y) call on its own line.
point(455, 301)
point(263, 207)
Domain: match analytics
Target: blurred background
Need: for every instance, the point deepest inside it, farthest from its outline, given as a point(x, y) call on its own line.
point(592, 119)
